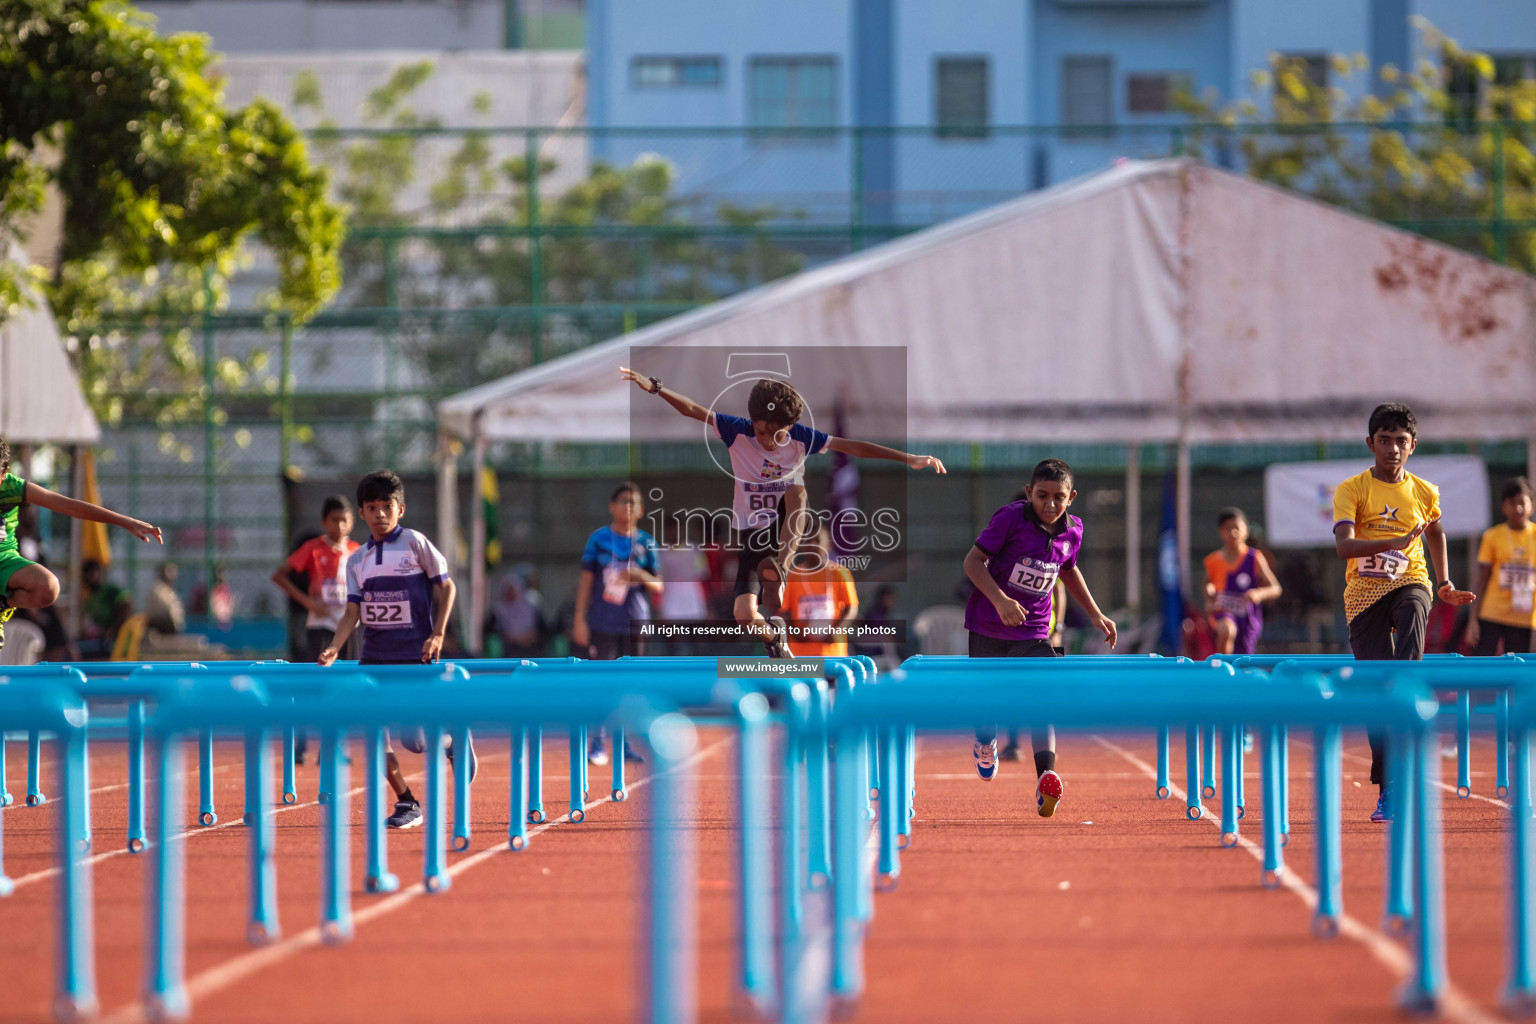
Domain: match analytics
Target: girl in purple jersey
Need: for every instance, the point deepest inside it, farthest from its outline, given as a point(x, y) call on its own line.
point(1015, 564)
point(1238, 580)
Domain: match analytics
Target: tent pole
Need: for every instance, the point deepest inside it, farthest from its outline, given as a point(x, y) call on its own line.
point(477, 551)
point(1182, 485)
point(447, 500)
point(1133, 531)
point(76, 543)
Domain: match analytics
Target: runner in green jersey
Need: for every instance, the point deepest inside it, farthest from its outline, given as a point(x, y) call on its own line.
point(24, 583)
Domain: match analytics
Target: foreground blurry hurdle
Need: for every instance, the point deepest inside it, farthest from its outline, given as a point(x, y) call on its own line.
point(942, 694)
point(353, 700)
point(48, 705)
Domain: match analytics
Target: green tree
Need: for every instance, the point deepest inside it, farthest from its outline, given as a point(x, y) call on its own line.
point(1448, 151)
point(161, 186)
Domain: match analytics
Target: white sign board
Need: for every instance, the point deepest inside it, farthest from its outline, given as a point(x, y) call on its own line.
point(1298, 497)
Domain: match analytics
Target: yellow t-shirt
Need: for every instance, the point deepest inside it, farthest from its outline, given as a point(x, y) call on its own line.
point(1380, 510)
point(1511, 561)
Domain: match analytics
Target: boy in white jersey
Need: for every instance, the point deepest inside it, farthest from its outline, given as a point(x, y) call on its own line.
point(1385, 521)
point(398, 589)
point(768, 451)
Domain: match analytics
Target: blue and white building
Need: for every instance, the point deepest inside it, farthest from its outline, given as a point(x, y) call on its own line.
point(961, 80)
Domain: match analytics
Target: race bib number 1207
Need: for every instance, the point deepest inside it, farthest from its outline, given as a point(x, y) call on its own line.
point(1033, 578)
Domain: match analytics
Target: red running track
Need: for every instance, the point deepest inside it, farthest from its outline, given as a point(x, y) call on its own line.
point(1118, 908)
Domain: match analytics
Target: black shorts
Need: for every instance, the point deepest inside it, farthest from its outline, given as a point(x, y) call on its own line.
point(983, 646)
point(752, 546)
point(1516, 639)
point(1392, 629)
point(608, 646)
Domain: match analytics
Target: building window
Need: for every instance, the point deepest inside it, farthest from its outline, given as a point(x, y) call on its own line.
point(665, 72)
point(1085, 92)
point(1312, 69)
point(792, 92)
point(1468, 92)
point(960, 97)
point(1155, 93)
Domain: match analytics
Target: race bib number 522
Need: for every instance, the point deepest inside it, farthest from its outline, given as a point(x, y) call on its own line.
point(386, 610)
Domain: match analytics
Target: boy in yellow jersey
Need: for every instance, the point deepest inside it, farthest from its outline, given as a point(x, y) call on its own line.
point(1506, 579)
point(1381, 521)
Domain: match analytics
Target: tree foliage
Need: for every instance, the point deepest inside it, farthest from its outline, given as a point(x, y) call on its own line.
point(161, 187)
point(1445, 148)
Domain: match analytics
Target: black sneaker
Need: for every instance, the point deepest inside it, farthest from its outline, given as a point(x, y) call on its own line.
point(1011, 753)
point(632, 755)
point(407, 815)
point(474, 761)
point(778, 645)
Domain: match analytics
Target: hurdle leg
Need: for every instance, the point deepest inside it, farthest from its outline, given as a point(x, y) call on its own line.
point(848, 815)
point(378, 878)
point(1192, 772)
point(1162, 763)
point(1520, 989)
point(1464, 744)
point(517, 797)
point(578, 773)
point(890, 863)
point(672, 933)
point(1427, 982)
point(85, 773)
point(1400, 766)
point(1501, 743)
point(35, 769)
point(535, 774)
point(1328, 775)
point(205, 813)
point(618, 792)
point(165, 987)
point(248, 813)
point(77, 947)
point(336, 849)
point(1269, 799)
point(871, 790)
point(1231, 766)
point(1285, 785)
point(461, 762)
point(1208, 761)
point(903, 748)
point(327, 773)
point(911, 807)
point(136, 776)
point(876, 785)
point(7, 884)
point(434, 870)
point(290, 786)
point(753, 906)
point(586, 785)
point(6, 797)
point(794, 881)
point(1240, 760)
point(263, 926)
point(818, 827)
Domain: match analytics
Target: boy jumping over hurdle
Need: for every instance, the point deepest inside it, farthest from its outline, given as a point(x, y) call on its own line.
point(1381, 520)
point(398, 588)
point(1015, 564)
point(24, 583)
point(768, 451)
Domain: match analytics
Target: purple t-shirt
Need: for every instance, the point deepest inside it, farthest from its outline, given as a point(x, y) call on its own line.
point(1024, 559)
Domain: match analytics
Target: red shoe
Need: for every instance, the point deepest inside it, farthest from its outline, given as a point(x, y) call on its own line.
point(1048, 793)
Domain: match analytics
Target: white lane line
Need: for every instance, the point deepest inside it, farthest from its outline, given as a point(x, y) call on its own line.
point(202, 985)
point(46, 873)
point(21, 805)
point(1455, 1004)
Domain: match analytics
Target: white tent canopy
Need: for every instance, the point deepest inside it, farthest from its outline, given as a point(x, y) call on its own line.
point(1160, 301)
point(40, 399)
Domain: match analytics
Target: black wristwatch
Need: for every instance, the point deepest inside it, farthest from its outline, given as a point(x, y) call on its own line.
point(655, 385)
point(1442, 585)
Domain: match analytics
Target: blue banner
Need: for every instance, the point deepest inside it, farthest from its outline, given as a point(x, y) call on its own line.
point(1169, 588)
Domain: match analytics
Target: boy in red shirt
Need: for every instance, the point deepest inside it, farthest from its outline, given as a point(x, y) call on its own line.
point(324, 560)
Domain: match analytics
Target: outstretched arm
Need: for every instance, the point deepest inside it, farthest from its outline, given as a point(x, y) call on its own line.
point(687, 406)
point(870, 450)
point(1349, 546)
point(42, 497)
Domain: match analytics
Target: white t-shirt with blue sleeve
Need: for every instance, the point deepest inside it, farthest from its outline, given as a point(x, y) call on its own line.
point(762, 476)
point(391, 582)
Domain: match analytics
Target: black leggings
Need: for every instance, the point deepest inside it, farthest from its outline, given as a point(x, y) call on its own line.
point(1392, 629)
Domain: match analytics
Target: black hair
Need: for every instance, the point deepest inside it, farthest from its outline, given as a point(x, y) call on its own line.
point(775, 402)
point(1051, 469)
point(627, 487)
point(336, 503)
point(1229, 513)
point(5, 456)
point(380, 486)
point(1515, 488)
point(1392, 416)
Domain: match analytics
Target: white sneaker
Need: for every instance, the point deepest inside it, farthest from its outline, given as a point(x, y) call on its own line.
point(986, 759)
